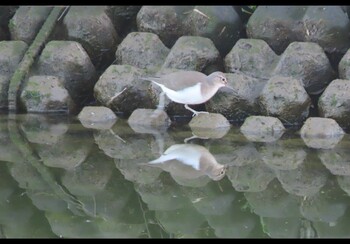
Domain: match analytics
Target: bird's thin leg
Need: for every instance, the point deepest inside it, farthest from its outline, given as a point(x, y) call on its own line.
point(160, 106)
point(161, 101)
point(195, 113)
point(194, 137)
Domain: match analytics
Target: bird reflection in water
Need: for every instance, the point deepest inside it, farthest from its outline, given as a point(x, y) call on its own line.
point(189, 161)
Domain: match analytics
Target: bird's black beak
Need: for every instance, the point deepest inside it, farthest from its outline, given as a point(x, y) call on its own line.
point(229, 89)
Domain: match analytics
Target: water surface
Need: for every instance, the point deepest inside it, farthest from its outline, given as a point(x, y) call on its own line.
point(60, 179)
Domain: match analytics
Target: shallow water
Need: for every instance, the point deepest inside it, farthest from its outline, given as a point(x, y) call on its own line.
point(60, 179)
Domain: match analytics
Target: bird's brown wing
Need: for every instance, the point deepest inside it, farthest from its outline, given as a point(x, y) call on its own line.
point(181, 79)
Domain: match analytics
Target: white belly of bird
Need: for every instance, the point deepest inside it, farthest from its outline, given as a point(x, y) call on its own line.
point(183, 153)
point(191, 95)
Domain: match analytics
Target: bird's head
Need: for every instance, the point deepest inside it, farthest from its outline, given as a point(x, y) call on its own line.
point(218, 78)
point(219, 172)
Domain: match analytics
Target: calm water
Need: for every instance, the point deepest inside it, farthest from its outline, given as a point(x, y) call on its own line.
point(60, 179)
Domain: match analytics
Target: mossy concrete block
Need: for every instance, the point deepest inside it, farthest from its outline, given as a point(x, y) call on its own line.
point(194, 53)
point(122, 89)
point(344, 66)
point(252, 57)
point(221, 24)
point(69, 61)
point(335, 102)
point(12, 53)
point(4, 87)
point(123, 18)
point(286, 99)
point(165, 21)
point(91, 26)
point(27, 21)
point(143, 50)
point(43, 94)
point(240, 103)
point(306, 61)
point(281, 25)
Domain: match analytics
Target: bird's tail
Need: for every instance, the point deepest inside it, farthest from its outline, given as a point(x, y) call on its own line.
point(153, 79)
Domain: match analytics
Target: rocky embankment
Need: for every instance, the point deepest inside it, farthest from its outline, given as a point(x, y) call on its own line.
point(287, 62)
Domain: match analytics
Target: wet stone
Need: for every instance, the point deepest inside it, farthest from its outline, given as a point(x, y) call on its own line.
point(150, 117)
point(262, 128)
point(97, 117)
point(209, 121)
point(320, 127)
